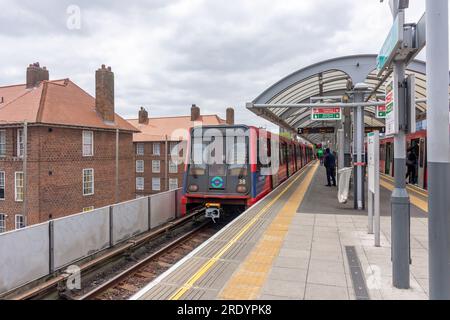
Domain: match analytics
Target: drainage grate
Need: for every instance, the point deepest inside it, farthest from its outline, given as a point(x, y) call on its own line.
point(359, 283)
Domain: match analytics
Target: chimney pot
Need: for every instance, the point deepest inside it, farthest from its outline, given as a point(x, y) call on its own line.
point(35, 75)
point(143, 116)
point(195, 113)
point(230, 116)
point(104, 93)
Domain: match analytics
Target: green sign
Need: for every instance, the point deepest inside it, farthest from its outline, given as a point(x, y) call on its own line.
point(391, 44)
point(326, 114)
point(381, 112)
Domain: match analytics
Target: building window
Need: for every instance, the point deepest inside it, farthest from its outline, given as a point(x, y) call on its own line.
point(174, 148)
point(156, 184)
point(2, 143)
point(20, 142)
point(2, 185)
point(139, 166)
point(156, 149)
point(173, 183)
point(88, 143)
point(156, 166)
point(87, 209)
point(173, 167)
point(88, 182)
point(2, 222)
point(139, 183)
point(19, 186)
point(20, 221)
point(140, 149)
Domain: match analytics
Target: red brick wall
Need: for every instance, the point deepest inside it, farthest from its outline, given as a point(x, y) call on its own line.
point(55, 166)
point(148, 157)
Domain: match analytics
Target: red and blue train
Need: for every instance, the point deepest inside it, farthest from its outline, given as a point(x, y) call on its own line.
point(230, 173)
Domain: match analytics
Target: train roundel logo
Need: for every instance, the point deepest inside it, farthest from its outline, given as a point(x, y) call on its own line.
point(217, 182)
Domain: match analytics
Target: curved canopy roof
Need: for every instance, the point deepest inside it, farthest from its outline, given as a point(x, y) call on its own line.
point(332, 77)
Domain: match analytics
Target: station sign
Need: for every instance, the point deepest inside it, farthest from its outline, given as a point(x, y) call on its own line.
point(391, 44)
point(371, 129)
point(326, 114)
point(380, 112)
point(391, 109)
point(315, 130)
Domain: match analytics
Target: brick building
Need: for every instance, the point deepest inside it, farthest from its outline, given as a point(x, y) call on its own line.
point(62, 151)
point(154, 168)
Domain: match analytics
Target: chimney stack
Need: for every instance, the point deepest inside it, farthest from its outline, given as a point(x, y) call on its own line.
point(143, 116)
point(35, 75)
point(104, 93)
point(195, 113)
point(230, 116)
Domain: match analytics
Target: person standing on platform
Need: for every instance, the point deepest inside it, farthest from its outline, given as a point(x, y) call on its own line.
point(330, 165)
point(320, 155)
point(411, 163)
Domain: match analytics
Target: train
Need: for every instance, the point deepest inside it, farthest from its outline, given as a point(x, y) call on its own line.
point(238, 177)
point(417, 142)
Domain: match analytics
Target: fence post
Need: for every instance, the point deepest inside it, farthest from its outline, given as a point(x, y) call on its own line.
point(111, 234)
point(51, 243)
point(149, 213)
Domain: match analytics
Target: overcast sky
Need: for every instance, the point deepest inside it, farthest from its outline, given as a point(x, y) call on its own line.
point(169, 54)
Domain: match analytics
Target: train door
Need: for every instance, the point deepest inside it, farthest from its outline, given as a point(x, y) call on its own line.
point(389, 157)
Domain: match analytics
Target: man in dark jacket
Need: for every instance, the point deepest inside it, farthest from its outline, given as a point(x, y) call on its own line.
point(330, 165)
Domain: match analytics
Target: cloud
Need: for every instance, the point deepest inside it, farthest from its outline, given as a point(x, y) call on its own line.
point(167, 55)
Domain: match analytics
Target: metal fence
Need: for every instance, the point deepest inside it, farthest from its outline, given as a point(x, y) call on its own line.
point(37, 251)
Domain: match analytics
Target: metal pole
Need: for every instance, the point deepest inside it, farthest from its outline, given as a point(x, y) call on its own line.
point(24, 163)
point(438, 148)
point(370, 206)
point(355, 171)
point(400, 198)
point(166, 160)
point(117, 166)
point(358, 147)
point(347, 141)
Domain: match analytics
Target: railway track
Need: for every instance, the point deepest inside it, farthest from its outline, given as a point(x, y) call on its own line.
point(120, 272)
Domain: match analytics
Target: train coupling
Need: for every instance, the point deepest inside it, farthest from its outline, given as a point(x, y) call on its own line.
point(213, 211)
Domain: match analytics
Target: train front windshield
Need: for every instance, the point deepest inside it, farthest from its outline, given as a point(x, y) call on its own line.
point(219, 159)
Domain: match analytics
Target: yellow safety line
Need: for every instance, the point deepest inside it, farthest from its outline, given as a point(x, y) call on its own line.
point(421, 204)
point(247, 282)
point(190, 283)
point(412, 188)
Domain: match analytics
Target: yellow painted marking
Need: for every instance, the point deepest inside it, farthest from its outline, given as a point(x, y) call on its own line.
point(190, 283)
point(419, 203)
point(249, 279)
point(412, 188)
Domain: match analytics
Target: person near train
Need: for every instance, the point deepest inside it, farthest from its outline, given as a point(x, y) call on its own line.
point(411, 162)
point(329, 161)
point(320, 155)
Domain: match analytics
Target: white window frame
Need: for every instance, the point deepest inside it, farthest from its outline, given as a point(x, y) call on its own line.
point(17, 186)
point(154, 170)
point(172, 183)
point(140, 166)
point(140, 147)
point(2, 222)
point(140, 183)
point(173, 167)
point(88, 146)
point(84, 182)
point(20, 143)
point(16, 221)
point(2, 143)
point(3, 183)
point(156, 149)
point(154, 179)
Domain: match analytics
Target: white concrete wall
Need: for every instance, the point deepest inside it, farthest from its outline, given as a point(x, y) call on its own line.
point(24, 256)
point(162, 208)
point(79, 236)
point(129, 219)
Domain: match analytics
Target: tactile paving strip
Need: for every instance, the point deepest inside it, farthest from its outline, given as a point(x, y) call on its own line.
point(211, 281)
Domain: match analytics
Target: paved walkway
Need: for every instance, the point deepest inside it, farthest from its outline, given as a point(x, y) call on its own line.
point(313, 262)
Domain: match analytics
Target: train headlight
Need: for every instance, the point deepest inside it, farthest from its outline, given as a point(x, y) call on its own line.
point(241, 189)
point(193, 188)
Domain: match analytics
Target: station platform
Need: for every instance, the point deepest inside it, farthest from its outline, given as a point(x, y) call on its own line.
point(299, 243)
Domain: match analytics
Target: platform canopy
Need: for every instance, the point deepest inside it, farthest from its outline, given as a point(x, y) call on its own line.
point(334, 78)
